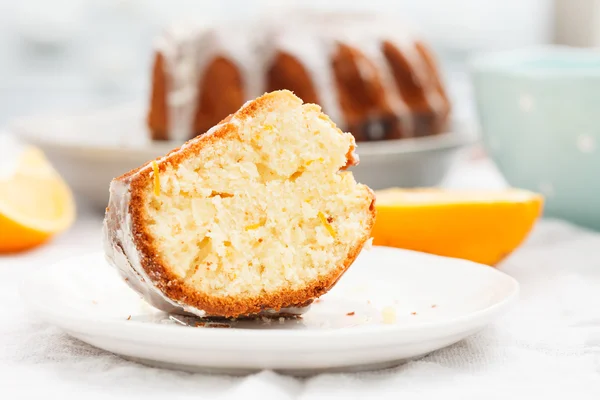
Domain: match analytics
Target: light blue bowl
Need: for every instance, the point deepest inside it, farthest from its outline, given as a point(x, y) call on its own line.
point(539, 112)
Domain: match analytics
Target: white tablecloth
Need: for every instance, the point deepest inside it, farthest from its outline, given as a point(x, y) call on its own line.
point(548, 345)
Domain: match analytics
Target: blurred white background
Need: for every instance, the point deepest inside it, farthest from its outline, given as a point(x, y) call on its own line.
point(69, 54)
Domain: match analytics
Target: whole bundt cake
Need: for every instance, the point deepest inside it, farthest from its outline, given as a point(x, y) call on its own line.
point(372, 77)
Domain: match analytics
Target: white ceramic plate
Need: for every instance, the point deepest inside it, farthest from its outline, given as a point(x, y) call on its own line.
point(90, 149)
point(435, 302)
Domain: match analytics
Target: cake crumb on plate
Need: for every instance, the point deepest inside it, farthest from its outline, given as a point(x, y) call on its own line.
point(389, 315)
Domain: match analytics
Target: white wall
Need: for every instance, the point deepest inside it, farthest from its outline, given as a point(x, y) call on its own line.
point(457, 23)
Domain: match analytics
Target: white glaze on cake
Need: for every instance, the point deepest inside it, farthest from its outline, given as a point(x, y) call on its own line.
point(311, 38)
point(121, 252)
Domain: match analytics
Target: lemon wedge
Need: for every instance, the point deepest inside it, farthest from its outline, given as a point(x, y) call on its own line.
point(35, 203)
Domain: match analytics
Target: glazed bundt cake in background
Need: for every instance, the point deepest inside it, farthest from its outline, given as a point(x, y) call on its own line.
point(256, 215)
point(372, 77)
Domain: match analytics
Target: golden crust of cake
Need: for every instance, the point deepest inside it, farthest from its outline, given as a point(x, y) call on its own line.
point(162, 275)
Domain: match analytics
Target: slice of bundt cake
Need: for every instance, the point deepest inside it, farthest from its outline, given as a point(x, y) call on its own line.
point(256, 215)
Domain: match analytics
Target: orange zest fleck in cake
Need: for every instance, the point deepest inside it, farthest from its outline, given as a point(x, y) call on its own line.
point(156, 179)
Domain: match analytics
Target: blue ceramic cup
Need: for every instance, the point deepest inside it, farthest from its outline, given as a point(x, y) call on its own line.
point(539, 111)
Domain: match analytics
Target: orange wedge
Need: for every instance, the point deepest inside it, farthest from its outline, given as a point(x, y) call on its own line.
point(35, 203)
point(482, 226)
